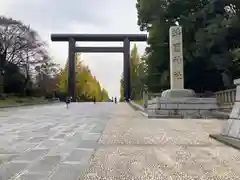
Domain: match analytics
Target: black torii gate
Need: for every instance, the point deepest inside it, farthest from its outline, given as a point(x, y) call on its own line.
point(125, 38)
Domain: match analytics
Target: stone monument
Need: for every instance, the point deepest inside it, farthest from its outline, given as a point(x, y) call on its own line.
point(176, 57)
point(230, 134)
point(176, 65)
point(177, 100)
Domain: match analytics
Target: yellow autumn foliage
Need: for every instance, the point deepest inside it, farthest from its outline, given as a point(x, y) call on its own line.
point(87, 86)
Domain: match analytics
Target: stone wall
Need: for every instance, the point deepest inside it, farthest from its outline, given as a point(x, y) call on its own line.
point(185, 107)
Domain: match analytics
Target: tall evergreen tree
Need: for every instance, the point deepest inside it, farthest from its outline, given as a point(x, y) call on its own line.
point(137, 74)
point(210, 39)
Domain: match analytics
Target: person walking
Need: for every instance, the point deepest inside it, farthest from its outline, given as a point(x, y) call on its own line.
point(68, 100)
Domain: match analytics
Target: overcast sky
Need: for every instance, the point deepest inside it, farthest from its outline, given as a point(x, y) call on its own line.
point(80, 16)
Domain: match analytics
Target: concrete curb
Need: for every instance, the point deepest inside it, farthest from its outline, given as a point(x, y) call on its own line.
point(229, 141)
point(28, 104)
point(138, 108)
point(143, 113)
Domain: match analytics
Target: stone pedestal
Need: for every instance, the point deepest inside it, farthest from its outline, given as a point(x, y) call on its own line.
point(178, 93)
point(182, 103)
point(185, 107)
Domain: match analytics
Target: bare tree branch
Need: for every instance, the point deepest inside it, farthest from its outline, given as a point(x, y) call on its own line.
point(22, 46)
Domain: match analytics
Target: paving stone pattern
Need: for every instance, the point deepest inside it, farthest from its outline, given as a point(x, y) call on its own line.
point(50, 142)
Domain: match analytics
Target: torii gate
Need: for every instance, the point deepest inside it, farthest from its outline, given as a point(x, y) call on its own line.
point(125, 38)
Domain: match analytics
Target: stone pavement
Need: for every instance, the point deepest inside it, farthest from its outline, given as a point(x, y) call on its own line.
point(50, 142)
point(54, 143)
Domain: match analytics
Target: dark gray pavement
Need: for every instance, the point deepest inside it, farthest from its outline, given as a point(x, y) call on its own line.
point(50, 142)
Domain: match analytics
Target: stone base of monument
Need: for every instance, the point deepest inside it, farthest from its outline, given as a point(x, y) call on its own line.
point(230, 134)
point(182, 103)
point(178, 93)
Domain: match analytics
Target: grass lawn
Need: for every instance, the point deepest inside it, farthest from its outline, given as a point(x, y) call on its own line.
point(140, 102)
point(17, 100)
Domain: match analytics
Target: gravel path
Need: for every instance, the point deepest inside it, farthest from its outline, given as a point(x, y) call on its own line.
point(133, 147)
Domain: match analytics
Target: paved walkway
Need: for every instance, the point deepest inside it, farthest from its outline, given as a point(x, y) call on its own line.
point(54, 143)
point(50, 142)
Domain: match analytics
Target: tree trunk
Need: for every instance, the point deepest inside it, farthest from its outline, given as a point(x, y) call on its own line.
point(26, 85)
point(2, 64)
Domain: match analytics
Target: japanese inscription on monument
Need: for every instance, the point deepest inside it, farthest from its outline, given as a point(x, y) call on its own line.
point(176, 57)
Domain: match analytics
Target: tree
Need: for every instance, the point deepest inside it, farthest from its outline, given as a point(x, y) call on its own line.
point(87, 86)
point(122, 88)
point(210, 35)
point(104, 95)
point(137, 75)
point(20, 46)
point(14, 79)
point(134, 62)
